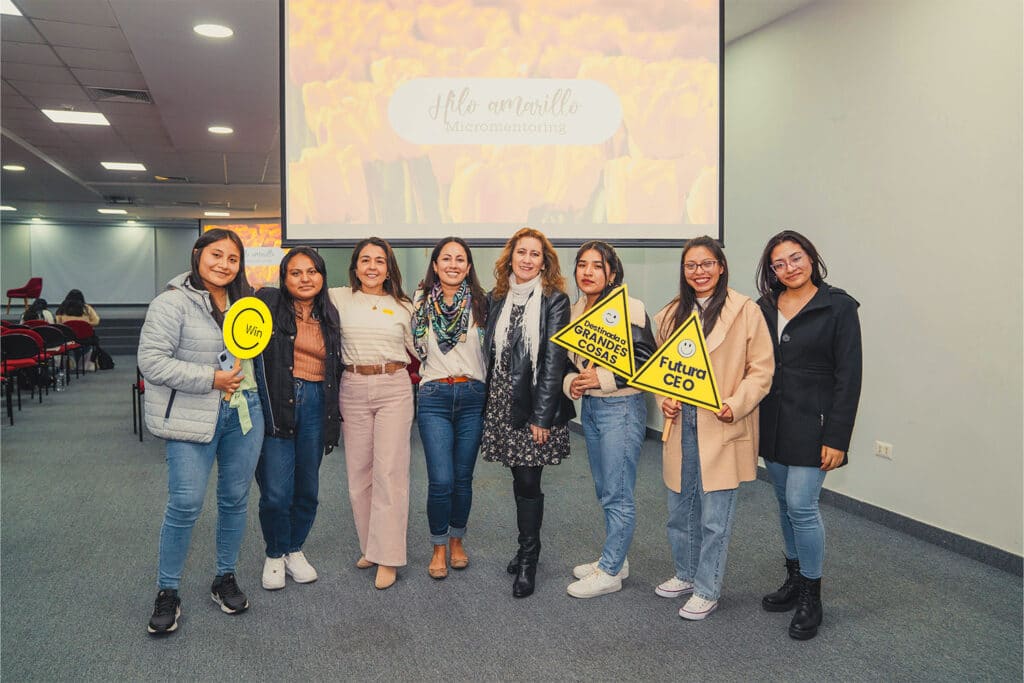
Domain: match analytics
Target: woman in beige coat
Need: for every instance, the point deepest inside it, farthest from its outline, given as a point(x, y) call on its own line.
point(708, 454)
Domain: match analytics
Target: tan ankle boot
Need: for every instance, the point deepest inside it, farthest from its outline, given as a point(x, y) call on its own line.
point(386, 577)
point(438, 568)
point(459, 558)
point(363, 563)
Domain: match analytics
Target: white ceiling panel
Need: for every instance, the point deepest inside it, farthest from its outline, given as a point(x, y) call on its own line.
point(38, 73)
point(142, 118)
point(83, 35)
point(94, 12)
point(111, 60)
point(28, 53)
point(140, 110)
point(18, 30)
point(98, 78)
point(12, 101)
point(54, 91)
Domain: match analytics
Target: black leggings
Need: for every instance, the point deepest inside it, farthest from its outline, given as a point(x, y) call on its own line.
point(526, 481)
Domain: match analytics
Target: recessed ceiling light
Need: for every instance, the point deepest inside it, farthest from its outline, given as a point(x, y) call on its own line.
point(116, 212)
point(7, 208)
point(213, 30)
point(85, 118)
point(131, 222)
point(216, 214)
point(122, 166)
point(36, 219)
point(221, 130)
point(13, 167)
point(7, 7)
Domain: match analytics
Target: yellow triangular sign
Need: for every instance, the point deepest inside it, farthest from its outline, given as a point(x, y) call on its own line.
point(681, 369)
point(602, 334)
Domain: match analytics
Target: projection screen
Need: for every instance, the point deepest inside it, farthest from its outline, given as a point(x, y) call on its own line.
point(413, 119)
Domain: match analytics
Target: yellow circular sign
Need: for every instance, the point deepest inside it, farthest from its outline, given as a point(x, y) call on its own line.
point(247, 327)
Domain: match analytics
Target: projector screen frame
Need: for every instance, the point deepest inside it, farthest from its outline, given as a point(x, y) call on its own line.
point(459, 229)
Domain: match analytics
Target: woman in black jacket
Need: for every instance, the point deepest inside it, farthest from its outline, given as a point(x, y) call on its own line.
point(807, 417)
point(526, 418)
point(302, 418)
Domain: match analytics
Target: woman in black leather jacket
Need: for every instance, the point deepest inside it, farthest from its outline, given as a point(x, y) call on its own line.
point(525, 422)
point(302, 419)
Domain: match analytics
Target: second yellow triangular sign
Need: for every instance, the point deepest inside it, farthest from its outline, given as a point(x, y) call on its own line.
point(680, 368)
point(602, 334)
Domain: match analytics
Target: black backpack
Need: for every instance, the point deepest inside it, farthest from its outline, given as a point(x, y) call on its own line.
point(102, 359)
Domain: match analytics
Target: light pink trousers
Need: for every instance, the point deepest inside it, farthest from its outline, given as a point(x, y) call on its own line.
point(377, 411)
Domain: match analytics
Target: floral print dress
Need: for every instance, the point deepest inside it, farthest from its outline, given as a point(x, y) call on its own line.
point(511, 446)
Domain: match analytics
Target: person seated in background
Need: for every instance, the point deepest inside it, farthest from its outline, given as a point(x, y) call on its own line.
point(74, 308)
point(38, 311)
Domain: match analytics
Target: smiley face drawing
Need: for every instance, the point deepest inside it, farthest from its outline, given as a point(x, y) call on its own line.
point(610, 317)
point(686, 348)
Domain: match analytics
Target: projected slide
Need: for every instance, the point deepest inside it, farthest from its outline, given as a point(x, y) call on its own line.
point(412, 119)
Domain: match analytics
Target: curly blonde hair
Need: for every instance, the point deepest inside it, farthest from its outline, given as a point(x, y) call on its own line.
point(551, 277)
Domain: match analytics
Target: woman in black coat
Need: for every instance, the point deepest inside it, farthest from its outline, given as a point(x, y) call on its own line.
point(302, 420)
point(807, 417)
point(527, 415)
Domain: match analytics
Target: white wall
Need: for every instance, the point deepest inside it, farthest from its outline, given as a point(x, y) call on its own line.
point(889, 132)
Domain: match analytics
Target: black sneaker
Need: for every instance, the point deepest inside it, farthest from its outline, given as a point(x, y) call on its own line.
point(226, 593)
point(166, 611)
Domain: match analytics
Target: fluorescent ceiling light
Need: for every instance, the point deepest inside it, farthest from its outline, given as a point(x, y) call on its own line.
point(36, 219)
point(122, 166)
point(86, 118)
point(119, 212)
point(7, 208)
point(131, 222)
point(7, 7)
point(216, 214)
point(213, 30)
point(13, 167)
point(221, 130)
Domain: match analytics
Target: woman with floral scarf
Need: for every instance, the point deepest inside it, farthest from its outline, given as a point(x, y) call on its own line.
point(451, 310)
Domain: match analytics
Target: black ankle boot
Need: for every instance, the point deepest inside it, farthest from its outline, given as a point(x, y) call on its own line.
point(808, 610)
point(785, 598)
point(529, 514)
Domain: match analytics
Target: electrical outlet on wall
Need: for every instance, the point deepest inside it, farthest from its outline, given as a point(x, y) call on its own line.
point(883, 450)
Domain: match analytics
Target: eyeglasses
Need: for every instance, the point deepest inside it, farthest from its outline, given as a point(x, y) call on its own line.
point(795, 261)
point(706, 266)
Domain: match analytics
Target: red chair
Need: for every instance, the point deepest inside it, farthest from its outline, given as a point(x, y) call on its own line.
point(70, 342)
point(32, 289)
point(19, 352)
point(55, 344)
point(35, 323)
point(86, 336)
point(138, 389)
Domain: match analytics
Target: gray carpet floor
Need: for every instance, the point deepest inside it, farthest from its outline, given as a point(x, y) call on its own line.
point(82, 501)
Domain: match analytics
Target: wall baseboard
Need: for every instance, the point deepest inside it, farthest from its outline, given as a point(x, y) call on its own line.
point(961, 545)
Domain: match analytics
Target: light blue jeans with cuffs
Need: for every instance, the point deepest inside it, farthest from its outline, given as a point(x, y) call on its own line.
point(699, 522)
point(614, 428)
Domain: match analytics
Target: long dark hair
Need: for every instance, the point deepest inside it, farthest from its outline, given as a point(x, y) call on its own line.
point(238, 287)
point(768, 283)
point(73, 304)
point(475, 290)
point(323, 309)
point(35, 311)
point(615, 274)
point(393, 282)
point(687, 298)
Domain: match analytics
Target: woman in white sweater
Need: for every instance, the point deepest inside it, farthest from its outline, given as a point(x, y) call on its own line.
point(376, 404)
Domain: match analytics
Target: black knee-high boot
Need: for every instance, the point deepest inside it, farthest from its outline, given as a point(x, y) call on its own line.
point(808, 610)
point(529, 515)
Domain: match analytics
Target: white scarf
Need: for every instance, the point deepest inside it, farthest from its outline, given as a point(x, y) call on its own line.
point(530, 293)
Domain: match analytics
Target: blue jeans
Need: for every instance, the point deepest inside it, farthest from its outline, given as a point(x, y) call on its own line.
point(188, 471)
point(451, 418)
point(699, 522)
point(289, 474)
point(803, 531)
point(614, 429)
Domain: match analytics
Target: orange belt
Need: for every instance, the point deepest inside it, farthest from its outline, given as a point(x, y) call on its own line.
point(453, 380)
point(389, 368)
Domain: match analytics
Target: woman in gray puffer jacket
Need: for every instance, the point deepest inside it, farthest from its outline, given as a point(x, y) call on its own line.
point(187, 404)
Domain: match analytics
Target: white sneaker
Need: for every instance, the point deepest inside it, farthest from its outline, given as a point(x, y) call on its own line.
point(273, 573)
point(595, 584)
point(582, 571)
point(674, 588)
point(697, 608)
point(299, 568)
